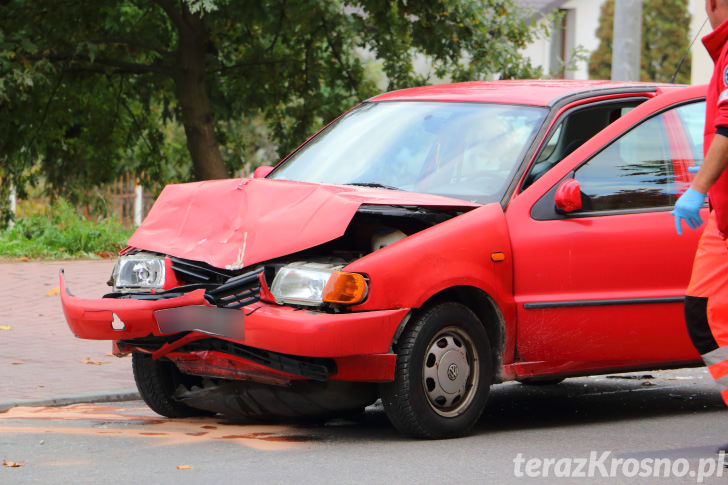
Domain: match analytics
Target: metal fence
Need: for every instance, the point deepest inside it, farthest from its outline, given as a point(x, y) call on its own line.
point(128, 200)
point(125, 197)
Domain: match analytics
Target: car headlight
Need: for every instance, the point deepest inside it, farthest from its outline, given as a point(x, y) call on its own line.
point(313, 284)
point(140, 271)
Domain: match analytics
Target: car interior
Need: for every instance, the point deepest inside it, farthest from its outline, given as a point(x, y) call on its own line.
point(573, 130)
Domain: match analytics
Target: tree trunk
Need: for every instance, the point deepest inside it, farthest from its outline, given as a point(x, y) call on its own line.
point(194, 100)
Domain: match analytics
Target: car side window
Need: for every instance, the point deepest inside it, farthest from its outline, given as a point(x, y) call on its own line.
point(692, 117)
point(647, 166)
point(573, 129)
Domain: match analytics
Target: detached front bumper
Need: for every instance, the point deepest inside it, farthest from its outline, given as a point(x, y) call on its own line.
point(359, 343)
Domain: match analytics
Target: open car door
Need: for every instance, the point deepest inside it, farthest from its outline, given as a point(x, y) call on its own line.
point(599, 282)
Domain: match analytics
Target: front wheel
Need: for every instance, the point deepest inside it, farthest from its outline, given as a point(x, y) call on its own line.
point(443, 374)
point(157, 381)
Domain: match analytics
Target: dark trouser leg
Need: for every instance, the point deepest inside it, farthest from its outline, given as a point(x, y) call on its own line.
point(699, 329)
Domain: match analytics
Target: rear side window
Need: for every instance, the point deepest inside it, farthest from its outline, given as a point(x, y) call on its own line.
point(646, 167)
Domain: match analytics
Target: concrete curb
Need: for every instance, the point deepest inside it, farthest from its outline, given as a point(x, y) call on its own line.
point(86, 397)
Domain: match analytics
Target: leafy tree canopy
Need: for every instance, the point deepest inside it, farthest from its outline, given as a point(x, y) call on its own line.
point(89, 90)
point(665, 39)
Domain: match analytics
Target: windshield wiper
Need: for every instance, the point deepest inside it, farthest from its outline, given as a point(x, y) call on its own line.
point(374, 184)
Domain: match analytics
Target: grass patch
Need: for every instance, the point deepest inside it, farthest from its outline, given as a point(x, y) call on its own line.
point(62, 234)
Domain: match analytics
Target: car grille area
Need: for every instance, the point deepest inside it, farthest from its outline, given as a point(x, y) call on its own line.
point(223, 288)
point(238, 291)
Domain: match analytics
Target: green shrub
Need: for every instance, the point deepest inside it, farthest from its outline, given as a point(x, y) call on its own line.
point(61, 234)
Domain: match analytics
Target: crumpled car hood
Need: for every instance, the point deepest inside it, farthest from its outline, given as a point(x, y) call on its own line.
point(235, 223)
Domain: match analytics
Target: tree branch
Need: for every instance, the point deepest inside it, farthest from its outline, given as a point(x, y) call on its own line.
point(174, 15)
point(48, 105)
point(280, 27)
point(352, 83)
point(122, 66)
point(133, 43)
point(257, 63)
point(138, 125)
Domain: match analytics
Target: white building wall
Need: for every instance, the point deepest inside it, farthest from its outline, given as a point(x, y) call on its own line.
point(538, 52)
point(584, 23)
point(585, 32)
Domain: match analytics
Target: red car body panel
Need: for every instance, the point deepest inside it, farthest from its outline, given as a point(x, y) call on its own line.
point(216, 364)
point(362, 368)
point(455, 253)
point(526, 92)
point(601, 260)
point(240, 222)
point(92, 318)
point(571, 295)
point(359, 343)
point(270, 327)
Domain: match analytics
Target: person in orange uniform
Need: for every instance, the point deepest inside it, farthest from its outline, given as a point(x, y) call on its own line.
point(706, 301)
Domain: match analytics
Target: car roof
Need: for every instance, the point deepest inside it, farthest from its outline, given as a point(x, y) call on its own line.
point(540, 92)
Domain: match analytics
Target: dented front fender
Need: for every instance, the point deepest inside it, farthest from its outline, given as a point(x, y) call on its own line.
point(472, 249)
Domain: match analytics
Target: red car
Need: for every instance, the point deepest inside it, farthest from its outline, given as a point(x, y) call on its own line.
point(424, 246)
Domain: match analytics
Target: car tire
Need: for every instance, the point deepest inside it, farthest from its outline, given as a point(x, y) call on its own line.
point(301, 400)
point(443, 374)
point(157, 381)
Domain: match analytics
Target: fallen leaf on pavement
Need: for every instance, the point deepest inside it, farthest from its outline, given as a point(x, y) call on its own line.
point(17, 362)
point(184, 467)
point(5, 327)
point(54, 291)
point(89, 360)
point(13, 464)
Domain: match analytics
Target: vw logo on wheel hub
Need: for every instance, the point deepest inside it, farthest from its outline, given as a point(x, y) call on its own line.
point(452, 372)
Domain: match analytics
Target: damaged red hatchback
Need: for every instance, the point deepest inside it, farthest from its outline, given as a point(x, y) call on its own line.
point(424, 246)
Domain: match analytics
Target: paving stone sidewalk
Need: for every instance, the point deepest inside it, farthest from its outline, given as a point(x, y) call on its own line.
point(41, 362)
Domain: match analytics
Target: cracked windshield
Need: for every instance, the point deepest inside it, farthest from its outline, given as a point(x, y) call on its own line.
point(463, 150)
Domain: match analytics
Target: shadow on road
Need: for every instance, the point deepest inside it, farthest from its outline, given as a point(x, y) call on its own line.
point(573, 402)
point(592, 400)
point(511, 407)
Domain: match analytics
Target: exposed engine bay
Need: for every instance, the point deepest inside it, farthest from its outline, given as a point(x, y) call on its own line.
point(371, 229)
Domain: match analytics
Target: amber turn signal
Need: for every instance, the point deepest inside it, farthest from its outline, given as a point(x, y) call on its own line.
point(347, 288)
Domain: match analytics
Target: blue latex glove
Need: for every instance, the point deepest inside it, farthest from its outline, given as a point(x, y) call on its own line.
point(694, 169)
point(688, 207)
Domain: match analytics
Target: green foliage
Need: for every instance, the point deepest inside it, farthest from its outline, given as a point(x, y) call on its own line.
point(301, 63)
point(62, 234)
point(665, 39)
point(600, 62)
point(91, 90)
point(202, 6)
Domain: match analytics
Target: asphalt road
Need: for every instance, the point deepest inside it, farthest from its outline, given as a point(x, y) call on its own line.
point(674, 418)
